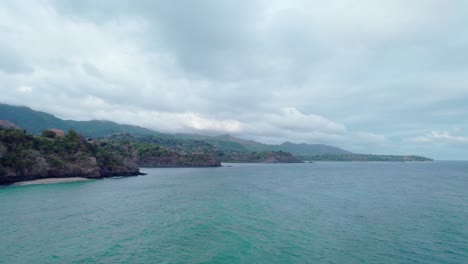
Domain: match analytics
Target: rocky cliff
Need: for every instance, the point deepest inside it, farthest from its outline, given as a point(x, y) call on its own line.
point(26, 157)
point(58, 154)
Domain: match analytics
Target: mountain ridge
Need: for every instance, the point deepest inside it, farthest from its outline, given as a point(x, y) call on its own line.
point(36, 121)
point(298, 149)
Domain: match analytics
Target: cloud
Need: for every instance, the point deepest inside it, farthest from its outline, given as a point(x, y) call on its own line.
point(12, 63)
point(290, 124)
point(370, 138)
point(286, 123)
point(292, 119)
point(361, 74)
point(25, 89)
point(439, 136)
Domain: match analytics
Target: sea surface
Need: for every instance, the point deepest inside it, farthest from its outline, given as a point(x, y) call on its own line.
point(247, 213)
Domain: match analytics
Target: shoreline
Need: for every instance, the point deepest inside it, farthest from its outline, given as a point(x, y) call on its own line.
point(50, 181)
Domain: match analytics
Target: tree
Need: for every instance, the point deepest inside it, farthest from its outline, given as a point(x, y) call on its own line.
point(48, 134)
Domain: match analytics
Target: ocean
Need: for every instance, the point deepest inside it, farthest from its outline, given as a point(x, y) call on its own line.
point(324, 212)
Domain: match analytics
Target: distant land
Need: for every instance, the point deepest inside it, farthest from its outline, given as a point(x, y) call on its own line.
point(226, 147)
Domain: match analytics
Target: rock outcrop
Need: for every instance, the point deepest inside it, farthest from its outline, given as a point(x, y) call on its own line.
point(5, 124)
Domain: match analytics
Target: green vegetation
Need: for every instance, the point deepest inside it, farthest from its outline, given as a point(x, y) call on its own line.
point(25, 157)
point(226, 151)
point(260, 157)
point(233, 144)
point(228, 146)
point(48, 134)
point(149, 154)
point(183, 146)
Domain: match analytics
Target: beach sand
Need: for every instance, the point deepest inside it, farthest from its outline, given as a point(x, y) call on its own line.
point(52, 180)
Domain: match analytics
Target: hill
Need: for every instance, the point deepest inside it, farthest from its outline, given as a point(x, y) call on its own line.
point(187, 146)
point(219, 143)
point(250, 145)
point(35, 122)
point(231, 143)
point(260, 157)
point(241, 150)
point(304, 149)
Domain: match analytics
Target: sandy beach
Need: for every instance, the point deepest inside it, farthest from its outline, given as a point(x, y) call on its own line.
point(52, 180)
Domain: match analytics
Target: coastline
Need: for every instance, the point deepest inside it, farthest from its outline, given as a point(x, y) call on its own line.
point(50, 181)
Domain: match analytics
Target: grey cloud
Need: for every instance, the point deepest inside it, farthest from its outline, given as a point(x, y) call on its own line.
point(209, 38)
point(440, 136)
point(12, 63)
point(221, 40)
point(92, 70)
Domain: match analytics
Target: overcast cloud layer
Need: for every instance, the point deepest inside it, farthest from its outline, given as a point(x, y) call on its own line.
point(369, 76)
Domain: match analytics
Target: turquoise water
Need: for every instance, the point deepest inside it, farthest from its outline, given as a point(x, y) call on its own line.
point(278, 213)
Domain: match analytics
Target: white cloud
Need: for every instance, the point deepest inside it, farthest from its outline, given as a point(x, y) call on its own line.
point(370, 138)
point(292, 119)
point(439, 136)
point(287, 123)
point(25, 89)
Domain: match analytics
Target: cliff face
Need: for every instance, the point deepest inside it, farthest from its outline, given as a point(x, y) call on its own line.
point(25, 157)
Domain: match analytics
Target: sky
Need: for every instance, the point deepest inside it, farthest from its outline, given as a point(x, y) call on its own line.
point(384, 77)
